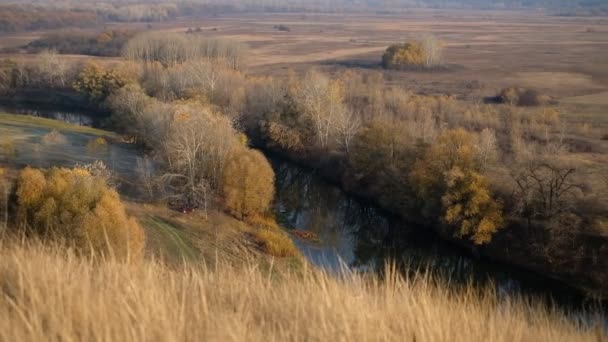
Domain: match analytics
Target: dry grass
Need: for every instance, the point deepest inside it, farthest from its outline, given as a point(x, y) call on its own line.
point(275, 242)
point(50, 294)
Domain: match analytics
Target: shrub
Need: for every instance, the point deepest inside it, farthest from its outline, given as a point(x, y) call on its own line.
point(97, 145)
point(54, 138)
point(523, 97)
point(74, 207)
point(418, 53)
point(403, 55)
point(282, 27)
point(275, 242)
point(248, 183)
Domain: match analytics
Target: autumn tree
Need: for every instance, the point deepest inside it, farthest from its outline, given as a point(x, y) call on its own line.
point(416, 53)
point(432, 49)
point(403, 55)
point(321, 100)
point(469, 207)
point(195, 149)
point(98, 82)
point(448, 182)
point(248, 183)
point(73, 206)
point(379, 147)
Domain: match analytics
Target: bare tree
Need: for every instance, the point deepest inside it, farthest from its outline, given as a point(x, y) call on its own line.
point(321, 99)
point(432, 49)
point(547, 189)
point(487, 150)
point(195, 150)
point(347, 125)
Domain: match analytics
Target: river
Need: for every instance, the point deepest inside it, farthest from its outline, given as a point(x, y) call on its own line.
point(356, 235)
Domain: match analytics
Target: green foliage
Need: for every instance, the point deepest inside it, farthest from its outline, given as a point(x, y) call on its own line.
point(75, 207)
point(248, 183)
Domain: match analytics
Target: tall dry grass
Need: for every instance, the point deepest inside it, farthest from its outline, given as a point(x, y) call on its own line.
point(49, 294)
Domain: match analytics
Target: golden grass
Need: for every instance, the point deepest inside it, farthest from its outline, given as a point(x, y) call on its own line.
point(275, 242)
point(50, 294)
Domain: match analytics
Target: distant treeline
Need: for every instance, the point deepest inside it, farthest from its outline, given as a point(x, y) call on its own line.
point(19, 18)
point(106, 43)
point(49, 14)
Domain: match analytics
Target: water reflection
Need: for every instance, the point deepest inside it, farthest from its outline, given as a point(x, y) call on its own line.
point(362, 237)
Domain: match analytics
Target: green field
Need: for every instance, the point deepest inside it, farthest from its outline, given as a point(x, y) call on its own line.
point(22, 143)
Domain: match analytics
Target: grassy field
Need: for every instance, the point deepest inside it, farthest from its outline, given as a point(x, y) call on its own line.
point(22, 143)
point(48, 293)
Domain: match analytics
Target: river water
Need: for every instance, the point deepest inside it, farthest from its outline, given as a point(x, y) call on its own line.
point(357, 235)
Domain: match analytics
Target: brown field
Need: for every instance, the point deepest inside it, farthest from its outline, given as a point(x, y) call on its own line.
point(553, 54)
point(564, 57)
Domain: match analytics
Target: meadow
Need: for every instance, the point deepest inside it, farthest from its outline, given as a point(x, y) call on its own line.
point(51, 294)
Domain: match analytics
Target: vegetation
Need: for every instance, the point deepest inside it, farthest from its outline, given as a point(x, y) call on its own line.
point(523, 97)
point(418, 53)
point(27, 17)
point(224, 302)
point(450, 186)
point(248, 183)
point(479, 174)
point(75, 207)
point(105, 43)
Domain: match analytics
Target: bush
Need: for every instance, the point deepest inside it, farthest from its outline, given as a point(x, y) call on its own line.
point(417, 53)
point(283, 28)
point(403, 55)
point(248, 183)
point(275, 242)
point(54, 138)
point(97, 145)
point(74, 207)
point(523, 97)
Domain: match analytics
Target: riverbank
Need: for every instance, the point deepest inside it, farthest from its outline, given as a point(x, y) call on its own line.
point(505, 247)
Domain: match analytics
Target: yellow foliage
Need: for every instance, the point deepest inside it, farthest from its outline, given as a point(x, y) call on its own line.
point(248, 183)
point(469, 206)
point(449, 184)
point(7, 146)
point(260, 221)
point(275, 242)
point(286, 137)
point(407, 54)
point(78, 208)
point(97, 145)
